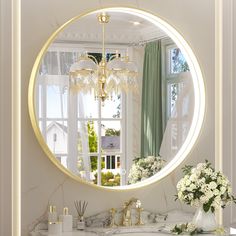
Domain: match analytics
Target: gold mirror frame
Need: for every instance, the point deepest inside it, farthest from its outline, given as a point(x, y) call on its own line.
point(198, 84)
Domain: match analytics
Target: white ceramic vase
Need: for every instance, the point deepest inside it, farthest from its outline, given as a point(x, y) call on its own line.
point(204, 220)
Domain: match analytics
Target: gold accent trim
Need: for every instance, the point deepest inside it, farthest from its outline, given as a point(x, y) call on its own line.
point(195, 66)
point(218, 90)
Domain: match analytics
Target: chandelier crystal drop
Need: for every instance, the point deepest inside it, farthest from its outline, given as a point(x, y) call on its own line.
point(106, 78)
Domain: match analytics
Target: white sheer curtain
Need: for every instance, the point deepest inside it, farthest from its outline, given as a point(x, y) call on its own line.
point(180, 120)
point(85, 139)
point(54, 72)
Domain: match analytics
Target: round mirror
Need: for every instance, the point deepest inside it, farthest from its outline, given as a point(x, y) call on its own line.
point(116, 98)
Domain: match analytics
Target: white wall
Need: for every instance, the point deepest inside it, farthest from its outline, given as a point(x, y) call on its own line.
point(41, 180)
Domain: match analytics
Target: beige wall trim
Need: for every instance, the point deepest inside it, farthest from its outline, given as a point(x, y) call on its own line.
point(218, 89)
point(16, 117)
point(227, 88)
point(5, 118)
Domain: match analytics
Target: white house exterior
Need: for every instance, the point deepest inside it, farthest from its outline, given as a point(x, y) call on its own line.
point(57, 140)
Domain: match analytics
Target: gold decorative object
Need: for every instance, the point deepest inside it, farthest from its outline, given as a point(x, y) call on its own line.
point(139, 211)
point(113, 212)
point(126, 219)
point(108, 77)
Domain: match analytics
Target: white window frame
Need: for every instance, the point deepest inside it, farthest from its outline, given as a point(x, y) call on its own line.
point(169, 78)
point(78, 48)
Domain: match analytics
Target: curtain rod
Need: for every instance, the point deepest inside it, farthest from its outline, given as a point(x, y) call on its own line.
point(140, 43)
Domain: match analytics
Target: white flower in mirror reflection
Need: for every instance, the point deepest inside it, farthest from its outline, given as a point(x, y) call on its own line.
point(144, 168)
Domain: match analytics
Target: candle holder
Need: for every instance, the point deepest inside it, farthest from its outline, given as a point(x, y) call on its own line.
point(113, 213)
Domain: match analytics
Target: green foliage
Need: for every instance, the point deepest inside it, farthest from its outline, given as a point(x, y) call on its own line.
point(112, 132)
point(187, 169)
point(94, 163)
point(93, 144)
point(207, 206)
point(109, 179)
point(187, 228)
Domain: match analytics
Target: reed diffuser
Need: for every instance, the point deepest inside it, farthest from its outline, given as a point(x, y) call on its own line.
point(81, 208)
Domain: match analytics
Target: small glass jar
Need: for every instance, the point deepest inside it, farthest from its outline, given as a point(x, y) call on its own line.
point(81, 223)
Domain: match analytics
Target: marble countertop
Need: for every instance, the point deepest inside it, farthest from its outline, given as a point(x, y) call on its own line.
point(97, 225)
point(148, 230)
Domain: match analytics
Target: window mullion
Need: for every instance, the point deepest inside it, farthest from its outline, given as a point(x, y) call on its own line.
point(99, 145)
point(44, 109)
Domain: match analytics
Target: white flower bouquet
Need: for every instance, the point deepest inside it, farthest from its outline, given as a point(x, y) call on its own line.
point(144, 168)
point(203, 186)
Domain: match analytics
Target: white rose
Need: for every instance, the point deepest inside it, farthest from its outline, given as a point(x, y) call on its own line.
point(190, 196)
point(209, 194)
point(192, 187)
point(208, 171)
point(214, 175)
point(204, 199)
point(217, 202)
point(205, 188)
point(183, 188)
point(193, 170)
point(219, 180)
point(222, 190)
point(190, 227)
point(179, 185)
point(216, 192)
point(202, 180)
point(187, 182)
point(193, 177)
point(200, 166)
point(212, 185)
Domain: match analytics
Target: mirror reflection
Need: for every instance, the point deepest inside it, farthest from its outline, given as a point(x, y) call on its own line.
point(114, 98)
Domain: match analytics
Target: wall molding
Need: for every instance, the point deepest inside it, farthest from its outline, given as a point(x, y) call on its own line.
point(16, 116)
point(10, 88)
point(5, 119)
point(218, 92)
point(228, 101)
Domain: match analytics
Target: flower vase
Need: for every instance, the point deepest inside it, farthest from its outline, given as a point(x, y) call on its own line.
point(204, 220)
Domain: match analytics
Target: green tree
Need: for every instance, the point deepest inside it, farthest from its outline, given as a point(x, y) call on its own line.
point(93, 144)
point(112, 132)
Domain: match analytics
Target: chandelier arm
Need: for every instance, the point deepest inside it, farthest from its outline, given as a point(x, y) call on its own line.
point(112, 57)
point(93, 57)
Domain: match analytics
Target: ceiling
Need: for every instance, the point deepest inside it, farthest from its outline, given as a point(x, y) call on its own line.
point(121, 30)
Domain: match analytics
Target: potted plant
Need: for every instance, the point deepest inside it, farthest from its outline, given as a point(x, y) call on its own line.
point(207, 190)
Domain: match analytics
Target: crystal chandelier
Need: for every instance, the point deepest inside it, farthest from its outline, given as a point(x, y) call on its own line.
point(106, 78)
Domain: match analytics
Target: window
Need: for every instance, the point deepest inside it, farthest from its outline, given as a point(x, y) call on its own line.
point(177, 88)
point(105, 128)
point(175, 66)
point(85, 135)
point(176, 61)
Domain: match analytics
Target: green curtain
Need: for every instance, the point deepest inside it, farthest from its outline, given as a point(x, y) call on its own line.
point(151, 116)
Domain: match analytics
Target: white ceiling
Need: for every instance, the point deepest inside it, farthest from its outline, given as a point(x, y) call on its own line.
point(120, 29)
